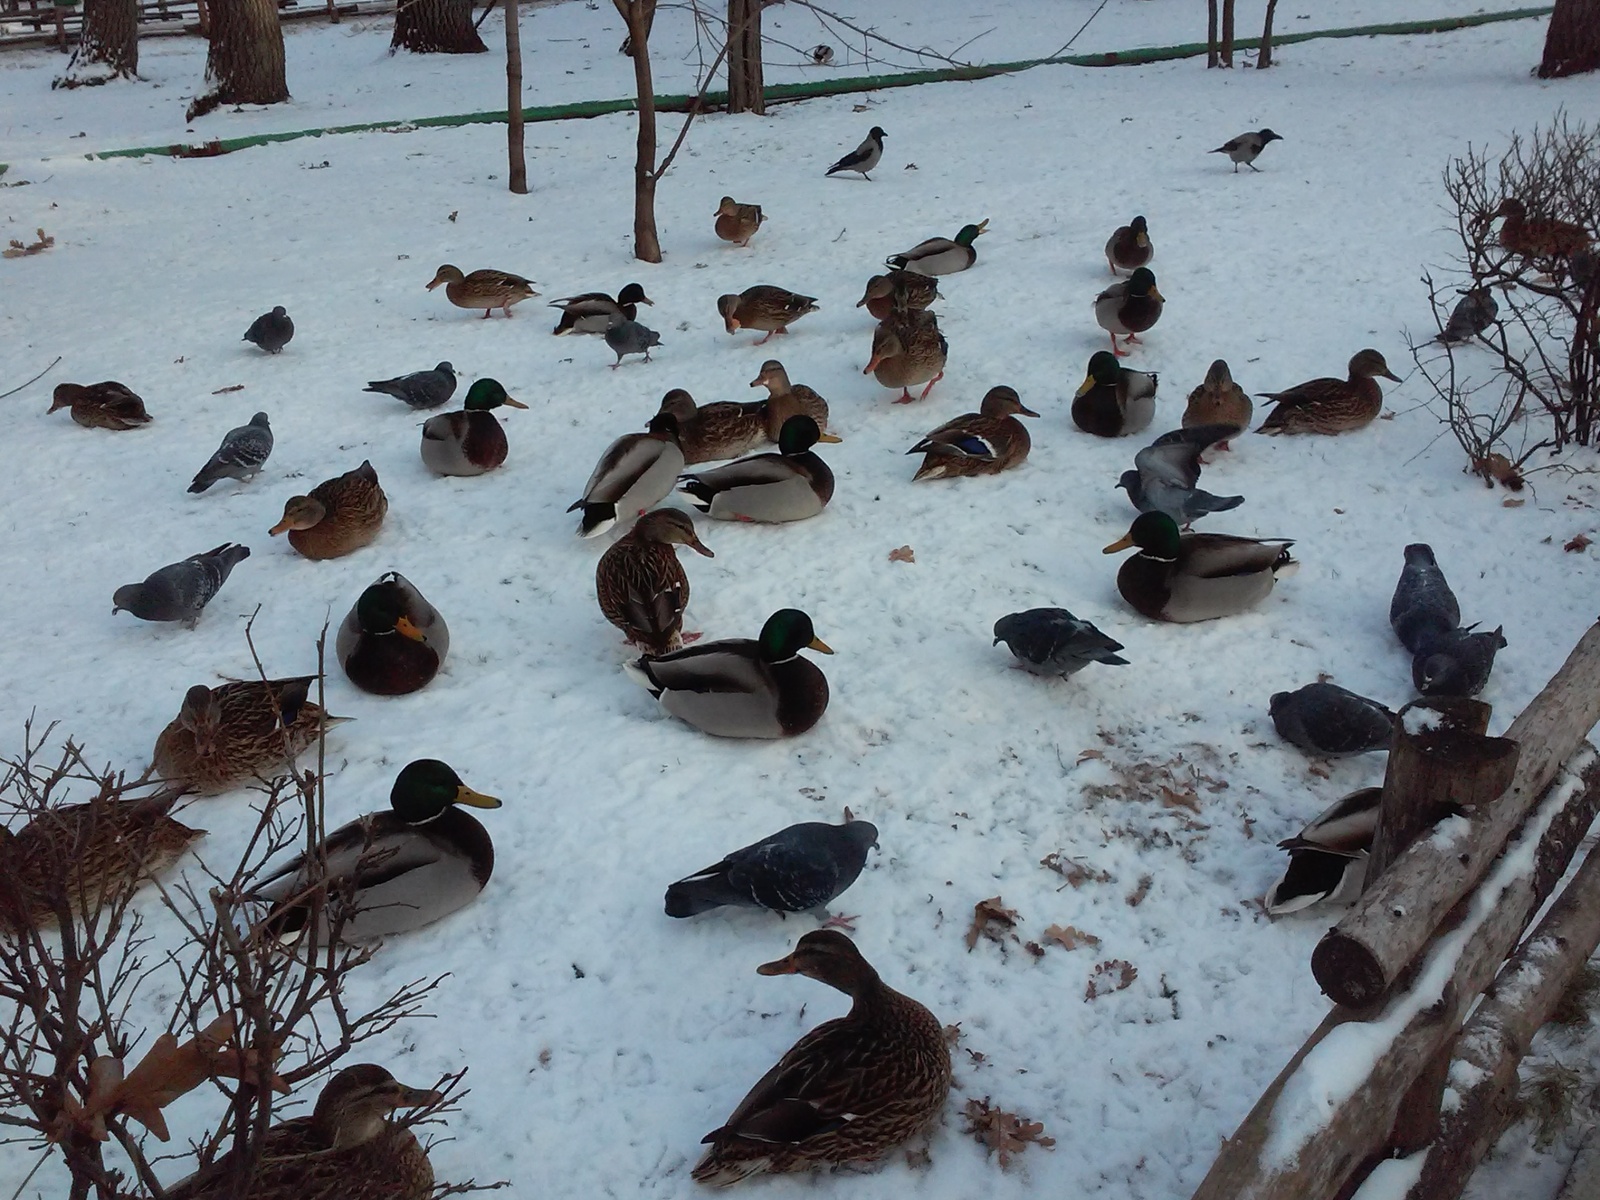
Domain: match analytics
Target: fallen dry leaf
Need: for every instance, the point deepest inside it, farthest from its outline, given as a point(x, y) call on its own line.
point(903, 554)
point(1071, 937)
point(1110, 976)
point(991, 919)
point(1136, 897)
point(1509, 502)
point(1074, 872)
point(1579, 543)
point(22, 250)
point(232, 387)
point(1497, 468)
point(1004, 1134)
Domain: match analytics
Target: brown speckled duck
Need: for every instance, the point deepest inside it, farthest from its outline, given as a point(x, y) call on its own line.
point(711, 432)
point(851, 1090)
point(1219, 401)
point(641, 585)
point(1538, 237)
point(785, 399)
point(337, 517)
point(1331, 405)
point(227, 736)
point(737, 223)
point(897, 291)
point(773, 309)
point(107, 405)
point(487, 289)
point(986, 442)
point(908, 348)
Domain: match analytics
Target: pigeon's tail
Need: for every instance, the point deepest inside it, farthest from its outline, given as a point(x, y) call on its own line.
point(700, 893)
point(209, 474)
point(1206, 502)
point(386, 387)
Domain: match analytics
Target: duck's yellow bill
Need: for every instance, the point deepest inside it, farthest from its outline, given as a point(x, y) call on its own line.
point(515, 403)
point(828, 437)
point(1085, 387)
point(817, 643)
point(405, 628)
point(472, 799)
point(1122, 543)
point(784, 966)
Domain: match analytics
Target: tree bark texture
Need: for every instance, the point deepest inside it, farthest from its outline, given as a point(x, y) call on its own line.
point(109, 46)
point(745, 86)
point(244, 64)
point(1211, 35)
point(436, 27)
point(1264, 58)
point(639, 15)
point(515, 147)
point(1227, 33)
point(1572, 43)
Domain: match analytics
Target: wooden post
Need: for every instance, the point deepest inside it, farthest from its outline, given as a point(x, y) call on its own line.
point(1359, 959)
point(1211, 34)
point(1226, 53)
point(514, 139)
point(1264, 55)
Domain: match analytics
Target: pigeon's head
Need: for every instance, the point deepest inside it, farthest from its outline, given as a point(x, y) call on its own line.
point(1128, 481)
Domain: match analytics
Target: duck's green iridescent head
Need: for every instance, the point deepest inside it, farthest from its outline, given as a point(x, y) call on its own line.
point(970, 233)
point(1155, 533)
point(1103, 371)
point(425, 788)
point(1143, 283)
point(381, 611)
point(787, 632)
point(486, 394)
point(799, 434)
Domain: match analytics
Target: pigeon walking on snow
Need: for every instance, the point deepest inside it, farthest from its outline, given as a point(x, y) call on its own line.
point(1051, 641)
point(1246, 148)
point(1457, 663)
point(271, 331)
point(630, 337)
point(241, 455)
point(863, 158)
point(1166, 471)
point(1473, 313)
point(180, 591)
point(420, 389)
point(796, 869)
point(1424, 608)
point(1326, 719)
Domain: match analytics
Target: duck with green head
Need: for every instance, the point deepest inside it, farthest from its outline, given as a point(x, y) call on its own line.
point(940, 256)
point(393, 641)
point(470, 441)
point(1184, 577)
point(399, 870)
point(1129, 307)
point(1113, 401)
point(741, 687)
point(790, 485)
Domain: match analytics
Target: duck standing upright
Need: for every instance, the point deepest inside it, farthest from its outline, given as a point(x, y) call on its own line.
point(487, 289)
point(640, 584)
point(773, 309)
point(897, 291)
point(337, 517)
point(1129, 307)
point(737, 223)
point(907, 349)
point(1130, 248)
point(1219, 401)
point(470, 441)
point(392, 641)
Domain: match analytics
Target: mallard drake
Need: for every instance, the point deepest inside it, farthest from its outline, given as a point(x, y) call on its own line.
point(1051, 641)
point(1113, 401)
point(1328, 859)
point(634, 474)
point(392, 641)
point(785, 399)
point(1247, 147)
point(392, 872)
point(1423, 607)
point(1129, 307)
point(803, 868)
point(106, 405)
point(986, 442)
point(1219, 401)
point(641, 585)
point(337, 517)
point(487, 289)
point(1538, 237)
point(737, 223)
point(790, 485)
point(347, 1148)
point(243, 452)
point(1165, 474)
point(180, 591)
point(468, 442)
point(908, 348)
point(420, 389)
point(1187, 577)
point(596, 312)
point(1331, 405)
point(851, 1090)
point(743, 688)
point(272, 331)
point(79, 855)
point(1327, 720)
point(898, 291)
point(1130, 248)
point(230, 735)
point(940, 256)
point(864, 157)
point(764, 307)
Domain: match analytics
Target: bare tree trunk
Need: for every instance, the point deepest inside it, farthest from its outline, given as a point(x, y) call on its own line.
point(1211, 35)
point(109, 46)
point(639, 14)
point(1572, 45)
point(245, 62)
point(1264, 59)
point(1227, 33)
point(514, 139)
point(436, 27)
point(745, 87)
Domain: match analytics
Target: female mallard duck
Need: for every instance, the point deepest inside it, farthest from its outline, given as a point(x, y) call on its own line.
point(1219, 401)
point(337, 517)
point(1112, 400)
point(395, 871)
point(596, 312)
point(1328, 858)
point(940, 256)
point(80, 855)
point(487, 289)
point(790, 485)
point(468, 442)
point(392, 641)
point(1331, 405)
point(906, 349)
point(982, 443)
point(1196, 576)
point(1538, 237)
point(785, 399)
point(763, 307)
point(634, 474)
point(743, 688)
point(1130, 248)
point(851, 1090)
point(898, 291)
point(347, 1148)
point(107, 405)
point(640, 583)
point(1129, 307)
point(226, 736)
point(737, 223)
point(711, 432)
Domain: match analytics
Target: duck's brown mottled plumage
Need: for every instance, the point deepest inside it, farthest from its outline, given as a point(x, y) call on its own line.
point(737, 223)
point(773, 309)
point(105, 405)
point(1219, 401)
point(1331, 405)
point(897, 291)
point(230, 735)
point(908, 348)
point(487, 289)
point(641, 585)
point(1538, 237)
point(982, 443)
point(336, 517)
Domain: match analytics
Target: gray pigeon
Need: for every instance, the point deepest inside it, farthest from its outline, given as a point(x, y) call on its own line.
point(1456, 663)
point(799, 868)
point(1166, 471)
point(1246, 148)
point(241, 455)
point(1051, 641)
point(180, 591)
point(271, 331)
point(863, 158)
point(1326, 719)
point(1473, 313)
point(1424, 608)
point(630, 337)
point(420, 389)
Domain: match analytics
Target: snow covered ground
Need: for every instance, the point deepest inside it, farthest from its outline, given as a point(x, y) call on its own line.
point(972, 771)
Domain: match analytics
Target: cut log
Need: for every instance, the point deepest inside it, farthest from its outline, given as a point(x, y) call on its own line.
point(1310, 1131)
point(1360, 959)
